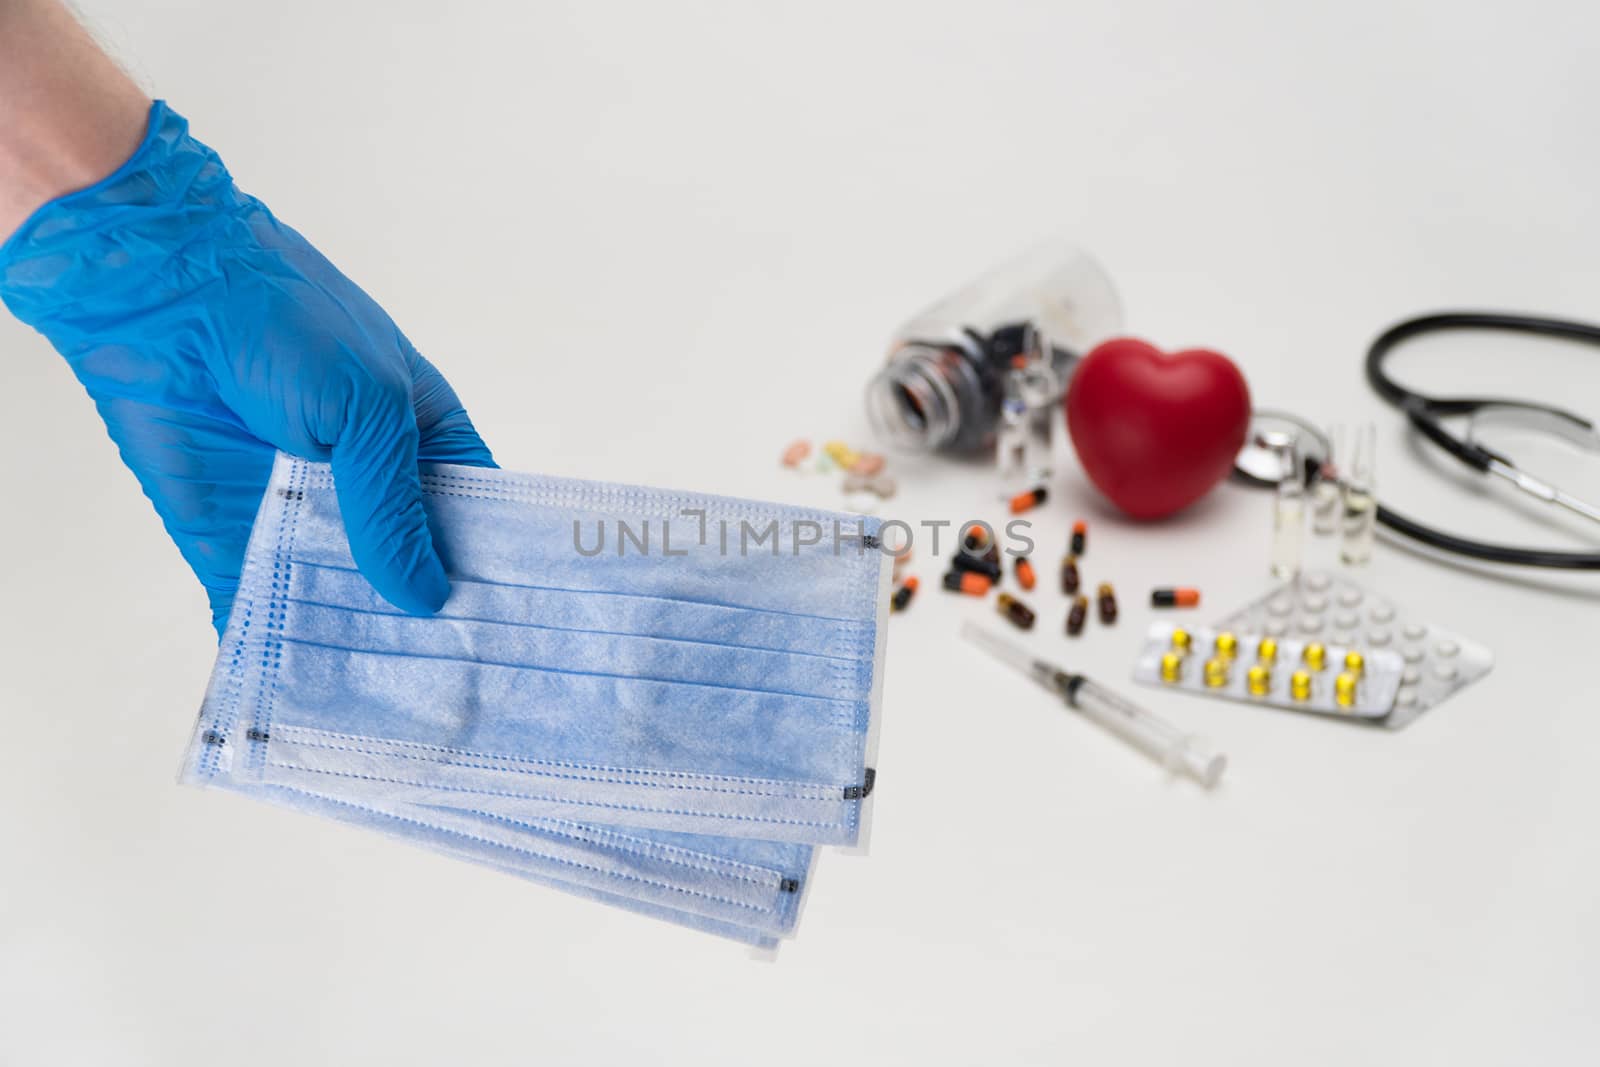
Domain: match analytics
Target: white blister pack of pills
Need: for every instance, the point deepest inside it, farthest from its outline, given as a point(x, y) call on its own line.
point(1319, 606)
point(1300, 674)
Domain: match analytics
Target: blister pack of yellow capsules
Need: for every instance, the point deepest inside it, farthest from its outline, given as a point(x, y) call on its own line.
point(1301, 674)
point(1437, 662)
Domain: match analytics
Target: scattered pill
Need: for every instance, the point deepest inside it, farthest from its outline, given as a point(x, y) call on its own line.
point(975, 539)
point(880, 485)
point(1024, 571)
point(1019, 613)
point(903, 595)
point(1070, 581)
point(1106, 598)
point(796, 453)
point(1174, 598)
point(868, 463)
point(1029, 500)
point(1077, 616)
point(1080, 533)
point(968, 583)
point(961, 561)
point(841, 453)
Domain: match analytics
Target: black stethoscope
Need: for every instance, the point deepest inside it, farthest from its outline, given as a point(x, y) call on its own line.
point(1427, 414)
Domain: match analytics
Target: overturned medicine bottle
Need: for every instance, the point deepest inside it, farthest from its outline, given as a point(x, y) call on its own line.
point(1000, 348)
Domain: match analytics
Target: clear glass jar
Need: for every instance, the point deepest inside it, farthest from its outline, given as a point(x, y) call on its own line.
point(944, 384)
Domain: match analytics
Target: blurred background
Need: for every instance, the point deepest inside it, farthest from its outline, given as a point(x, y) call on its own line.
point(654, 243)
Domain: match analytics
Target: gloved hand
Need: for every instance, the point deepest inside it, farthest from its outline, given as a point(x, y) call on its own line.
point(210, 335)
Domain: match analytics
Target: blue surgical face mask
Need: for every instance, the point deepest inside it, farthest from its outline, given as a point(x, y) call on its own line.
point(738, 888)
point(671, 696)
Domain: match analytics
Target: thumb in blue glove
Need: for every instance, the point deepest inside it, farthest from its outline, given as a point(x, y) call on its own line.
point(210, 335)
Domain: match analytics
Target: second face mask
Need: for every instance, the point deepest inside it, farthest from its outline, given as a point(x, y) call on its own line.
point(738, 888)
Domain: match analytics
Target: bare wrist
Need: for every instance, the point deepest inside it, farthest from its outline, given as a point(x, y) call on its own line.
point(68, 115)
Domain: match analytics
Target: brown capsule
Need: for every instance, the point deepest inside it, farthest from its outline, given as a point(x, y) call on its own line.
point(1107, 599)
point(1070, 581)
point(1019, 613)
point(1025, 575)
point(1077, 616)
point(1080, 533)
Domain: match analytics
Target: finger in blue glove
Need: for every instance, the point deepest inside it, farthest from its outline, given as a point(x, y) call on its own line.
point(210, 335)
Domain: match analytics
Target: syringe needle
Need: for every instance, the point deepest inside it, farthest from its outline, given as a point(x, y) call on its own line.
point(1179, 752)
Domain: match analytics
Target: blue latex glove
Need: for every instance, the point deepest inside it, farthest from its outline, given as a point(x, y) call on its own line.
point(209, 335)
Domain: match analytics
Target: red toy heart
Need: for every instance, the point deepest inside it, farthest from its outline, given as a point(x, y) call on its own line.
point(1155, 432)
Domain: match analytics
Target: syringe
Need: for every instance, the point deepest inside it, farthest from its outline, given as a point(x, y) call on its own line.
point(1179, 752)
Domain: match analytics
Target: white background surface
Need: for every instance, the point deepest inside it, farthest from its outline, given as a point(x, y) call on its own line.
point(653, 243)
